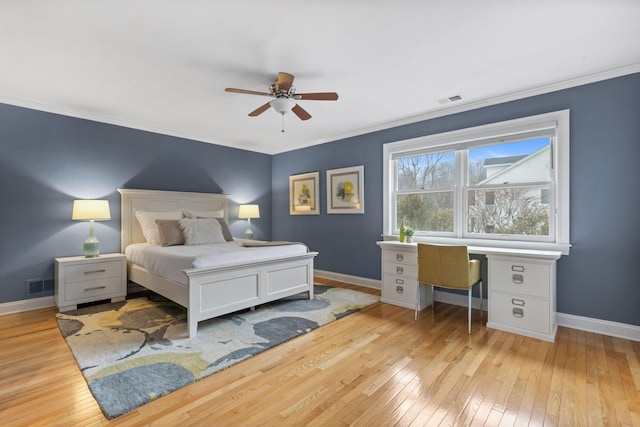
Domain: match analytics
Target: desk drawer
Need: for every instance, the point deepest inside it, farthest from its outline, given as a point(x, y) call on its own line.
point(399, 289)
point(519, 311)
point(93, 271)
point(408, 271)
point(529, 278)
point(400, 257)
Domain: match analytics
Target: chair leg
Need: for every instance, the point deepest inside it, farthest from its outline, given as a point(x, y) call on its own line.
point(415, 317)
point(469, 311)
point(481, 305)
point(433, 299)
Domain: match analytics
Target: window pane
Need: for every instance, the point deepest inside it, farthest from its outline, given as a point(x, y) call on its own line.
point(513, 162)
point(520, 210)
point(426, 172)
point(426, 211)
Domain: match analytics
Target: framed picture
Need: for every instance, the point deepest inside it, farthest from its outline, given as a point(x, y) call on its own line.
point(345, 190)
point(303, 194)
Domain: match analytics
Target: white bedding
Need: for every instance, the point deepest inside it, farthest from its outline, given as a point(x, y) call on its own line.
point(169, 261)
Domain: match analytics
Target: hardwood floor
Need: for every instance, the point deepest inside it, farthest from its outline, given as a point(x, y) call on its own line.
point(374, 368)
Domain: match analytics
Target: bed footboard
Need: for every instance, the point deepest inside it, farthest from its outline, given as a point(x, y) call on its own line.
point(222, 290)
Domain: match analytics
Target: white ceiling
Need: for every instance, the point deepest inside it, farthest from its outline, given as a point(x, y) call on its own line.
point(162, 65)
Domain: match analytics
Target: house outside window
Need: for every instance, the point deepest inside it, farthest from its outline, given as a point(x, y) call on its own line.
point(504, 184)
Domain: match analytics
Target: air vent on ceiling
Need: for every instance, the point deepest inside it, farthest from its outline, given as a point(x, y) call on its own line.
point(450, 99)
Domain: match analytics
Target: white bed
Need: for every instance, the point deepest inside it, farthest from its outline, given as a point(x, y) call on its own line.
point(212, 291)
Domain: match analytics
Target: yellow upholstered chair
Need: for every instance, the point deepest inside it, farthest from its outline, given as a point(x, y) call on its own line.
point(447, 267)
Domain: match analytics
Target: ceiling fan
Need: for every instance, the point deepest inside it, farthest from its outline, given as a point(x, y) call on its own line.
point(284, 93)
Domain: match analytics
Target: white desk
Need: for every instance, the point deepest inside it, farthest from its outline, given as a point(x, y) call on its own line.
point(521, 284)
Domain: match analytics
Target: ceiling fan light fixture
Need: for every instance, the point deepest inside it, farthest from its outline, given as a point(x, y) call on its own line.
point(282, 105)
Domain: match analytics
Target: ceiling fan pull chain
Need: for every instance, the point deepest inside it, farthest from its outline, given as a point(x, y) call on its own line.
point(282, 122)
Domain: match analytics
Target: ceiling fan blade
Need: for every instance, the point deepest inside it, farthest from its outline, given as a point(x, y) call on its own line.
point(285, 80)
point(300, 112)
point(248, 92)
point(260, 110)
point(321, 96)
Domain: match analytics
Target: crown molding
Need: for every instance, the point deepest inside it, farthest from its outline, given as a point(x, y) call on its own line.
point(499, 99)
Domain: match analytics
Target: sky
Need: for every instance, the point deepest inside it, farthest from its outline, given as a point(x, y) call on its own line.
point(504, 150)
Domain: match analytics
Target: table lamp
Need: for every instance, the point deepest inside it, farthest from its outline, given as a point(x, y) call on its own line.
point(91, 210)
point(248, 212)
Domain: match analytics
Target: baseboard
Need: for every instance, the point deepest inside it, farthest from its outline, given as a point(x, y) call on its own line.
point(26, 305)
point(587, 324)
point(603, 327)
point(352, 280)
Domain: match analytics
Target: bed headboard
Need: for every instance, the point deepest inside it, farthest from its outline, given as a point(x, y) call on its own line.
point(159, 201)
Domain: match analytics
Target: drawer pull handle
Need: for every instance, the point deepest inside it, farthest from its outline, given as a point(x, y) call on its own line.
point(399, 289)
point(399, 270)
point(400, 281)
point(518, 268)
point(95, 271)
point(518, 279)
point(95, 288)
point(516, 301)
point(399, 257)
point(518, 312)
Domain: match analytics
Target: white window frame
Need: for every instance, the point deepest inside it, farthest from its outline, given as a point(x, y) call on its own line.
point(481, 135)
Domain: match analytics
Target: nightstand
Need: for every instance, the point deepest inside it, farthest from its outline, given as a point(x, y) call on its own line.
point(80, 280)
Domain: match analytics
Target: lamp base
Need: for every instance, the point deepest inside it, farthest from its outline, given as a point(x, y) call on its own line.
point(248, 234)
point(91, 245)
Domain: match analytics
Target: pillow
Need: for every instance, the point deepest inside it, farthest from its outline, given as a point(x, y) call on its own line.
point(148, 224)
point(219, 215)
point(204, 214)
point(201, 231)
point(170, 232)
point(226, 232)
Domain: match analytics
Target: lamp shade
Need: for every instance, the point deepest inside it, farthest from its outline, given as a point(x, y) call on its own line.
point(249, 211)
point(85, 210)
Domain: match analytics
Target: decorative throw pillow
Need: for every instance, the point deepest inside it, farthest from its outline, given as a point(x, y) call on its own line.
point(201, 231)
point(226, 232)
point(170, 232)
point(219, 215)
point(148, 224)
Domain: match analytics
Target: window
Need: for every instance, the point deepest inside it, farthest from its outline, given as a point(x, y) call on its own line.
point(504, 184)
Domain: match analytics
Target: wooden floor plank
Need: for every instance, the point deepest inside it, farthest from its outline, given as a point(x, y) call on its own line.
point(377, 367)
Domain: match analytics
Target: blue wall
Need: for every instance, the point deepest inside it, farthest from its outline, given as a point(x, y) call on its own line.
point(598, 279)
point(48, 160)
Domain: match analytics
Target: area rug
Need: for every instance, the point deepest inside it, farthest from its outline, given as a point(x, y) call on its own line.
point(135, 351)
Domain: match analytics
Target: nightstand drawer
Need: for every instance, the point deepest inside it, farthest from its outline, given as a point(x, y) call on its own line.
point(528, 278)
point(522, 312)
point(409, 271)
point(94, 271)
point(94, 289)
